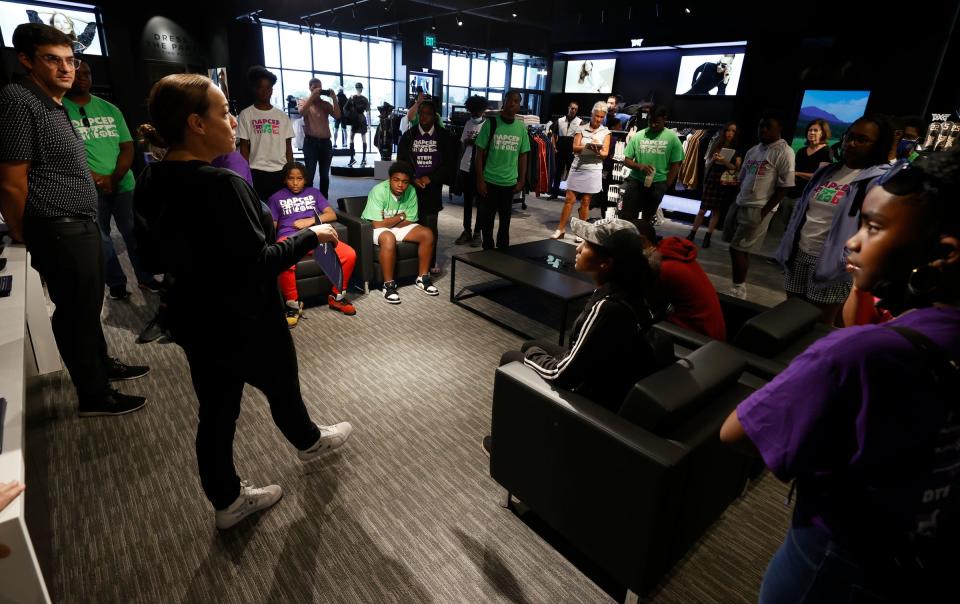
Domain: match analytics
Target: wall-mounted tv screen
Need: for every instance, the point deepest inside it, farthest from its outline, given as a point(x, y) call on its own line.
point(839, 108)
point(80, 24)
point(710, 74)
point(590, 75)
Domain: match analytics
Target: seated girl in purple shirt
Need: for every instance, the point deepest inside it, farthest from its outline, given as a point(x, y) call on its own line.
point(867, 420)
point(296, 207)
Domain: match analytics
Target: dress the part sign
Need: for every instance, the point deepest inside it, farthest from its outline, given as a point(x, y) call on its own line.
point(165, 40)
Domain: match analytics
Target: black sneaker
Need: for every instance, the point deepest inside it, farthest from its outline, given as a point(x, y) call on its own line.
point(463, 239)
point(487, 444)
point(117, 371)
point(151, 332)
point(390, 292)
point(351, 163)
point(113, 403)
point(151, 286)
point(425, 282)
point(119, 292)
point(477, 240)
point(706, 241)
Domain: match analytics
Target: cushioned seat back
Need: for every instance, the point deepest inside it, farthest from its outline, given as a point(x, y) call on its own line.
point(770, 332)
point(666, 399)
point(352, 205)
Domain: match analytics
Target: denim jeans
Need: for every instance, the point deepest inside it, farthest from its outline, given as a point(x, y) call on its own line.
point(318, 152)
point(118, 206)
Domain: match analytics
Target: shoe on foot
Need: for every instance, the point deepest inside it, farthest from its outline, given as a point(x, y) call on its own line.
point(425, 282)
point(343, 305)
point(351, 163)
point(119, 292)
point(390, 292)
point(463, 239)
point(113, 402)
point(294, 313)
point(251, 499)
point(691, 237)
point(738, 290)
point(331, 437)
point(151, 286)
point(151, 332)
point(706, 241)
point(117, 371)
point(477, 240)
point(577, 240)
point(557, 234)
point(487, 444)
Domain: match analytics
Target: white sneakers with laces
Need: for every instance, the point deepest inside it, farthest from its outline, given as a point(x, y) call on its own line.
point(251, 499)
point(331, 437)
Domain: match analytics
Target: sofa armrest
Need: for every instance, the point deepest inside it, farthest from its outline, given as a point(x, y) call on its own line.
point(605, 484)
point(757, 365)
point(360, 238)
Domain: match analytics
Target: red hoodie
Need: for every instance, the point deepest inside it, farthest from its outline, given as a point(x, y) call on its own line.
point(684, 285)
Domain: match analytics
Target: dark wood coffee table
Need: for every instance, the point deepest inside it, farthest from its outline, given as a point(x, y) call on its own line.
point(526, 265)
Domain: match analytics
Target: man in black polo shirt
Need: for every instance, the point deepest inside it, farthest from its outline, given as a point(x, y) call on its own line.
point(49, 202)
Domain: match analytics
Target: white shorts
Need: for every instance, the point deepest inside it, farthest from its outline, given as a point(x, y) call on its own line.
point(399, 232)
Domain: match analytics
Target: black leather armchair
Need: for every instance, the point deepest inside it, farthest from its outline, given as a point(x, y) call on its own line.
point(368, 253)
point(312, 283)
point(631, 490)
point(767, 338)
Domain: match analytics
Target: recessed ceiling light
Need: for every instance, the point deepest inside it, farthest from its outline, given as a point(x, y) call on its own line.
point(686, 10)
point(514, 15)
point(459, 21)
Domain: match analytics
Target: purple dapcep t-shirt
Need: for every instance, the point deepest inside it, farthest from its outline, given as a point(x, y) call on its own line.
point(287, 207)
point(859, 422)
point(425, 152)
point(234, 161)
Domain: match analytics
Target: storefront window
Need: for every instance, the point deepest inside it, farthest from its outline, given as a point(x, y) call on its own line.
point(459, 74)
point(455, 96)
point(516, 76)
point(271, 46)
point(498, 73)
point(326, 53)
point(295, 49)
point(439, 62)
point(355, 57)
point(478, 73)
point(380, 91)
point(381, 59)
point(295, 83)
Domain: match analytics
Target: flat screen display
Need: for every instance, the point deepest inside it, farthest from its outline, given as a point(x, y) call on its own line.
point(839, 108)
point(80, 24)
point(710, 74)
point(590, 75)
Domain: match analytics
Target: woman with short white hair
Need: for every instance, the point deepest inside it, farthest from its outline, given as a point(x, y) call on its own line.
point(591, 145)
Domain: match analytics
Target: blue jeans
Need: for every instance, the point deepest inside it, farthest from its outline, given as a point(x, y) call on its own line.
point(318, 152)
point(119, 206)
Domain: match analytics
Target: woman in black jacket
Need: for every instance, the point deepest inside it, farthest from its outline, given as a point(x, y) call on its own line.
point(433, 152)
point(611, 346)
point(201, 217)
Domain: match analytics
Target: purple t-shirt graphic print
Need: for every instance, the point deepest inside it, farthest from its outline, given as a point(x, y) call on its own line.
point(287, 208)
point(426, 152)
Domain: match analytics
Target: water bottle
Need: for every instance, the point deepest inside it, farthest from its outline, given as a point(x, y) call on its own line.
point(648, 181)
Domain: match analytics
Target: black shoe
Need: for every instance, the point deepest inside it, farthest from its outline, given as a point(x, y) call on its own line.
point(706, 241)
point(113, 403)
point(151, 332)
point(119, 292)
point(691, 237)
point(151, 286)
point(464, 238)
point(117, 371)
point(487, 444)
point(351, 163)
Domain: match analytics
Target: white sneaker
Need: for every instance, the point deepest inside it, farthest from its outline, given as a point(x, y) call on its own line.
point(331, 437)
point(557, 234)
point(252, 499)
point(577, 240)
point(738, 290)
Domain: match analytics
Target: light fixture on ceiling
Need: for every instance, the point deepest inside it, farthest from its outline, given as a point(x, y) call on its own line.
point(686, 10)
point(459, 20)
point(353, 10)
point(433, 25)
point(514, 15)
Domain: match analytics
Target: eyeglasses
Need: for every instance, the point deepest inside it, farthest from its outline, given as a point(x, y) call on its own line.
point(55, 61)
point(84, 117)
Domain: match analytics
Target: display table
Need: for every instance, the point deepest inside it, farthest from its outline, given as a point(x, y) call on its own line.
point(26, 348)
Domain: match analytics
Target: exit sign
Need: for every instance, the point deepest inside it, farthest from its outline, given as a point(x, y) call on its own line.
point(430, 40)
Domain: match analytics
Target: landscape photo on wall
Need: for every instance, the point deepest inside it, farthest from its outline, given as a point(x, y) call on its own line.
point(839, 108)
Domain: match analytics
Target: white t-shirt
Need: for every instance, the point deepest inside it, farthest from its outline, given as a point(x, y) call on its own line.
point(470, 131)
point(267, 132)
point(822, 207)
point(588, 159)
point(765, 168)
point(568, 128)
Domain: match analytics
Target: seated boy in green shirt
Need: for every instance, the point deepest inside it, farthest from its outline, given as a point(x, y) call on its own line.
point(392, 208)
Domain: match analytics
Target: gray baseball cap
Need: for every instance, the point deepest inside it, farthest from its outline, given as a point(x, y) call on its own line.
point(610, 233)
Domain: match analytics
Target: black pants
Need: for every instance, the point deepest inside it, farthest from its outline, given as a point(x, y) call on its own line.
point(429, 204)
point(638, 198)
point(499, 201)
point(564, 160)
point(219, 371)
point(267, 183)
point(68, 255)
point(318, 152)
point(517, 355)
point(469, 180)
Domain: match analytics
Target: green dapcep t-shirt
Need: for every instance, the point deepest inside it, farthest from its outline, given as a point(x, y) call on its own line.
point(658, 151)
point(382, 203)
point(503, 154)
point(102, 127)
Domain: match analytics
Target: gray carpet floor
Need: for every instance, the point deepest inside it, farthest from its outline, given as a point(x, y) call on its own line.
point(405, 512)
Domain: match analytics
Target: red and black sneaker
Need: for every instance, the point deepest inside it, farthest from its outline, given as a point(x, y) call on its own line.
point(343, 306)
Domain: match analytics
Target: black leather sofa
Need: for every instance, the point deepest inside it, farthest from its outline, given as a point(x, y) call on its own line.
point(632, 490)
point(767, 338)
point(368, 254)
point(312, 283)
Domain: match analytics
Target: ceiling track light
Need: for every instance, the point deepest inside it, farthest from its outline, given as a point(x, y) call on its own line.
point(459, 20)
point(353, 10)
point(686, 10)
